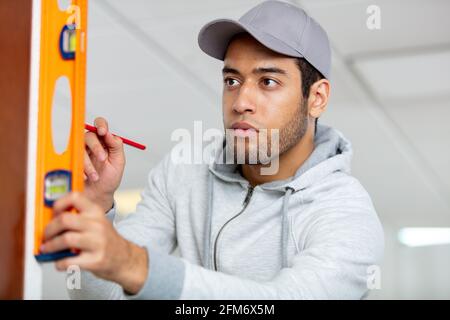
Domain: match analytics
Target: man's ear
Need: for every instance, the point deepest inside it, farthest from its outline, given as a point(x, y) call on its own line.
point(318, 98)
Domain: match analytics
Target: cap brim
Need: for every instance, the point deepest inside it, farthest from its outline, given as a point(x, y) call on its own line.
point(215, 37)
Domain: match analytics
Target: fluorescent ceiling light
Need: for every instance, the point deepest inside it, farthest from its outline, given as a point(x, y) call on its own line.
point(417, 237)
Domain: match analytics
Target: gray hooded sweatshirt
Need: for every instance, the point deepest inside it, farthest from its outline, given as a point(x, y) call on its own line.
point(315, 235)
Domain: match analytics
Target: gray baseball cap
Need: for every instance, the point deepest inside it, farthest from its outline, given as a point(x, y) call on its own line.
point(279, 26)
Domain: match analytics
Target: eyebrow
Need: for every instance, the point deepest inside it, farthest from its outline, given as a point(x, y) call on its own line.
point(255, 71)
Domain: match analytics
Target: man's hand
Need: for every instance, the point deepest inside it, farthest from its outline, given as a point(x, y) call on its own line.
point(104, 163)
point(103, 251)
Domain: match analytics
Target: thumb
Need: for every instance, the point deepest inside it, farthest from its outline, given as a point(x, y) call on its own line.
point(114, 145)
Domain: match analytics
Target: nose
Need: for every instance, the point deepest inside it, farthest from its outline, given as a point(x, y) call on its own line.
point(244, 102)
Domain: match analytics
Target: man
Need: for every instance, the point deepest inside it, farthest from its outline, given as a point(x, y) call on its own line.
point(306, 231)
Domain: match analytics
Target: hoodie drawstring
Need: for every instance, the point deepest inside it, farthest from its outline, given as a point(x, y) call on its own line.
point(285, 227)
point(208, 228)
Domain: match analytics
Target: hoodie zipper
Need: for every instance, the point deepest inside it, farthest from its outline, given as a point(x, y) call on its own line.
point(245, 204)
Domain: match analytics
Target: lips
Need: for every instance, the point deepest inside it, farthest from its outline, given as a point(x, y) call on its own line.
point(243, 129)
point(242, 125)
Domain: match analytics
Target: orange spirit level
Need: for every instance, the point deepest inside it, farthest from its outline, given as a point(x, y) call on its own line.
point(62, 53)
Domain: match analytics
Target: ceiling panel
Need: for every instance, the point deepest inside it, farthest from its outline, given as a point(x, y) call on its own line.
point(408, 77)
point(161, 12)
point(404, 24)
point(426, 123)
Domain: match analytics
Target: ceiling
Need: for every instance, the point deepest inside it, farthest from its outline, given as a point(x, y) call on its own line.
point(390, 89)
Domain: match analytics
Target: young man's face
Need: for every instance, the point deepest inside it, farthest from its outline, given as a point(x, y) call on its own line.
point(262, 89)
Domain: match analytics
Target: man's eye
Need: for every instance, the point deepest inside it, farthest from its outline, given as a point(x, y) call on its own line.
point(230, 82)
point(269, 82)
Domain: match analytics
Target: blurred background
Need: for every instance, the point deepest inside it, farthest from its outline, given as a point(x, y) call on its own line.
point(390, 97)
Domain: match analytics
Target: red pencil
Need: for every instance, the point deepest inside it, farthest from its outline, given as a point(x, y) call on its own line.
point(125, 140)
